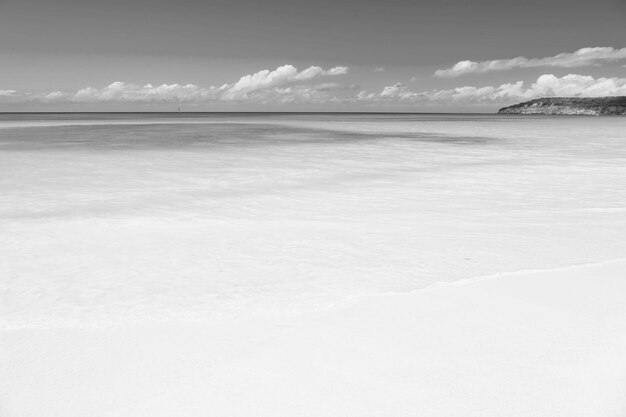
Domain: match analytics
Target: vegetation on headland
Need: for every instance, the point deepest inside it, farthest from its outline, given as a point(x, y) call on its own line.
point(593, 106)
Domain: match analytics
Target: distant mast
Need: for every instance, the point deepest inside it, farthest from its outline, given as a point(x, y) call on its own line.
point(179, 109)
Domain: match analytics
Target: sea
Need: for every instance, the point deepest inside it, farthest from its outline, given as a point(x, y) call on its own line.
point(111, 219)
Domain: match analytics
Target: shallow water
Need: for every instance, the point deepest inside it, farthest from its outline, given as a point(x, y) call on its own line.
point(118, 218)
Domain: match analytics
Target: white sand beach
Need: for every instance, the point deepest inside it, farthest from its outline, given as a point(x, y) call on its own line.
point(528, 344)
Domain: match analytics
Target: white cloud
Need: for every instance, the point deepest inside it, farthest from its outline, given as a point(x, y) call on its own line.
point(398, 90)
point(123, 92)
point(572, 85)
point(286, 74)
point(579, 58)
point(7, 93)
point(379, 69)
point(579, 85)
point(13, 96)
point(56, 96)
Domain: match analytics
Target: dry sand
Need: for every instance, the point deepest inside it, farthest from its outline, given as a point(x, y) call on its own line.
point(547, 343)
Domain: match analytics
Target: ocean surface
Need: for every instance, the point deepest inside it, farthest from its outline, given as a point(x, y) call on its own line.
point(124, 218)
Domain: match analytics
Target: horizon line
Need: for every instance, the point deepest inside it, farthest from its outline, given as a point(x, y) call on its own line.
point(234, 112)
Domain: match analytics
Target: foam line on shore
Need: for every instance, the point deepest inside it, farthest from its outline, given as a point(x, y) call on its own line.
point(480, 278)
point(351, 300)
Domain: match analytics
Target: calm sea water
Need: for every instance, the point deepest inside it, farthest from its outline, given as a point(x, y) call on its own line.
point(116, 218)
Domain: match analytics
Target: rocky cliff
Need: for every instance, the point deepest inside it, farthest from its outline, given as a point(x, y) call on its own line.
point(593, 106)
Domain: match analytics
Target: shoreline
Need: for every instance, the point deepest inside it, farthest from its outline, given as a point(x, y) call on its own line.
point(528, 343)
point(498, 275)
point(219, 318)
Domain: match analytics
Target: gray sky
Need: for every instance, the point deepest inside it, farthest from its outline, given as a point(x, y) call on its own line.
point(385, 54)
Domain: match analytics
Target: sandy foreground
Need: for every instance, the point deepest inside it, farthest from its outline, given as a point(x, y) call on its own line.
point(547, 343)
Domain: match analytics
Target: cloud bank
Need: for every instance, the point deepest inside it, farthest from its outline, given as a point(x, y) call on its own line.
point(132, 93)
point(580, 58)
point(284, 84)
point(547, 85)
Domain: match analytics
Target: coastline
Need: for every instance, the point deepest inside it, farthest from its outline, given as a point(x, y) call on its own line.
point(570, 106)
point(527, 343)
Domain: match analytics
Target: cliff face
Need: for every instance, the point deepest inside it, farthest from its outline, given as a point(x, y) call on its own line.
point(595, 106)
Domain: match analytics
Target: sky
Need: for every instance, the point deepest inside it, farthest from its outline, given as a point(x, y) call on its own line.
point(305, 55)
